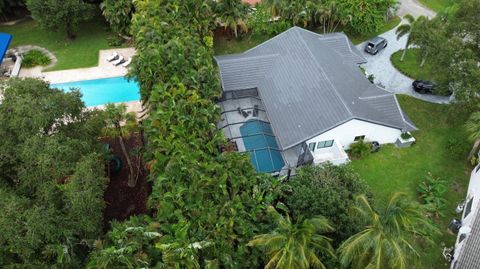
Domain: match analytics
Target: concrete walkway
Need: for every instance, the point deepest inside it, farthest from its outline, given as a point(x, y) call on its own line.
point(381, 67)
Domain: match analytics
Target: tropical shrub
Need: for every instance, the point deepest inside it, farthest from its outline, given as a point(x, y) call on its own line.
point(119, 14)
point(390, 237)
point(35, 57)
point(457, 148)
point(360, 149)
point(328, 190)
point(432, 191)
point(295, 245)
point(406, 136)
point(261, 22)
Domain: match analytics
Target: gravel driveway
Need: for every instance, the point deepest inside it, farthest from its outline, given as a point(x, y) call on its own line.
point(380, 66)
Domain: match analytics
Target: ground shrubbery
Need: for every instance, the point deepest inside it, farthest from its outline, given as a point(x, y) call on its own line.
point(360, 149)
point(34, 58)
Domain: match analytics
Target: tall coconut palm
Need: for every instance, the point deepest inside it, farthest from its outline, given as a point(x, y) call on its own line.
point(232, 14)
point(389, 238)
point(120, 124)
point(473, 129)
point(292, 245)
point(407, 29)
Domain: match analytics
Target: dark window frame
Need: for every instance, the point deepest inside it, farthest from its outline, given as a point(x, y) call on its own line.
point(325, 144)
point(468, 207)
point(312, 148)
point(359, 137)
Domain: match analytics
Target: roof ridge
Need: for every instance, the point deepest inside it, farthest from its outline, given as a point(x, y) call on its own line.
point(324, 74)
point(248, 57)
point(271, 39)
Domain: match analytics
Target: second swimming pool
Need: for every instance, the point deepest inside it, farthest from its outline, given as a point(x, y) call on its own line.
point(102, 91)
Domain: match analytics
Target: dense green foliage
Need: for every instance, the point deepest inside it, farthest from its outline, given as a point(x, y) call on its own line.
point(326, 190)
point(361, 16)
point(390, 237)
point(450, 41)
point(260, 22)
point(232, 14)
point(200, 196)
point(34, 58)
point(51, 177)
point(432, 192)
point(295, 245)
point(119, 14)
point(61, 15)
point(8, 6)
point(360, 149)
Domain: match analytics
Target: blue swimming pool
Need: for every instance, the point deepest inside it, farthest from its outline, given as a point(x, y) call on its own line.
point(106, 90)
point(260, 142)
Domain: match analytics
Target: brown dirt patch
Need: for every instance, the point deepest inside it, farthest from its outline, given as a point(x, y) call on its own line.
point(121, 200)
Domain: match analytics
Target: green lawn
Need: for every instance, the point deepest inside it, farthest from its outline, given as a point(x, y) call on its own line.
point(393, 169)
point(228, 45)
point(411, 65)
point(437, 5)
point(81, 52)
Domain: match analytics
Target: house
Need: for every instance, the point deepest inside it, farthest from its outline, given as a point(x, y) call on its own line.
point(301, 97)
point(467, 247)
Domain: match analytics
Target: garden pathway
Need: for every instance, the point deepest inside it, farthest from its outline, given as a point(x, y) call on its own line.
point(386, 75)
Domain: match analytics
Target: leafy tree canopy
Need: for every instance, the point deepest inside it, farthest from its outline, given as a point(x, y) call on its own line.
point(51, 177)
point(61, 15)
point(119, 14)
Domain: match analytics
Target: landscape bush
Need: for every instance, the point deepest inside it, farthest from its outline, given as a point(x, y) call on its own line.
point(360, 149)
point(34, 58)
point(431, 192)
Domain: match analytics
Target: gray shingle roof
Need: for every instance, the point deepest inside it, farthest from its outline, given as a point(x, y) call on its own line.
point(469, 257)
point(310, 83)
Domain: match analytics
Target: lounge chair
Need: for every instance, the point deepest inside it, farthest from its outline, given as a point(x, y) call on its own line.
point(119, 61)
point(112, 57)
point(125, 64)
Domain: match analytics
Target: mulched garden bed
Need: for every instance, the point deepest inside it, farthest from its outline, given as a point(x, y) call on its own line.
point(121, 200)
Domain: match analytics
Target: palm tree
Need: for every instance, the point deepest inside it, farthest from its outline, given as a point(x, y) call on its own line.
point(295, 245)
point(407, 29)
point(473, 128)
point(232, 14)
point(120, 124)
point(388, 240)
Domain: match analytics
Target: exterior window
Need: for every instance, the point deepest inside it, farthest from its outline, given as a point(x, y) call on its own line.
point(478, 168)
point(462, 236)
point(325, 144)
point(468, 208)
point(358, 138)
point(311, 146)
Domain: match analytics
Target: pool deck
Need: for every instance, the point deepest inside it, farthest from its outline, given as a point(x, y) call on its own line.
point(104, 69)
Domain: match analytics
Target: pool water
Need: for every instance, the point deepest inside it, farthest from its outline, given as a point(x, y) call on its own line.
point(260, 142)
point(102, 91)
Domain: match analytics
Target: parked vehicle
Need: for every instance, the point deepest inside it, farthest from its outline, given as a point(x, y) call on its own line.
point(424, 86)
point(375, 45)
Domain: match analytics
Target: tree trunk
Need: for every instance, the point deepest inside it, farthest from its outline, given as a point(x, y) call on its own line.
point(70, 34)
point(404, 52)
point(474, 148)
point(324, 30)
point(423, 60)
point(131, 180)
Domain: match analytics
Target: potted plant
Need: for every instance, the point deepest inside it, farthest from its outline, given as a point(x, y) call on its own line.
point(405, 140)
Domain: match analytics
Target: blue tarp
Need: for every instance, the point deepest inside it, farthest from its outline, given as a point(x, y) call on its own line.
point(5, 40)
point(261, 144)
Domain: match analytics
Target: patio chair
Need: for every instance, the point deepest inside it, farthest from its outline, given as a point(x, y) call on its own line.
point(255, 111)
point(113, 56)
point(127, 63)
point(119, 61)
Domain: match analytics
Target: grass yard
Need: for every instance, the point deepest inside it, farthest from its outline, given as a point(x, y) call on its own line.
point(441, 149)
point(411, 65)
point(81, 52)
point(437, 5)
point(229, 45)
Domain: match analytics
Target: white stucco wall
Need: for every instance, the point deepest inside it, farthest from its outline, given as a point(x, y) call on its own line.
point(467, 221)
point(345, 134)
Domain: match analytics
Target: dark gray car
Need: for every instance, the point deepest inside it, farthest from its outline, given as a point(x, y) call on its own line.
point(375, 45)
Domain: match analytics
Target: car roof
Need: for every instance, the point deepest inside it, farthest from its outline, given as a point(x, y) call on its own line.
point(376, 40)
